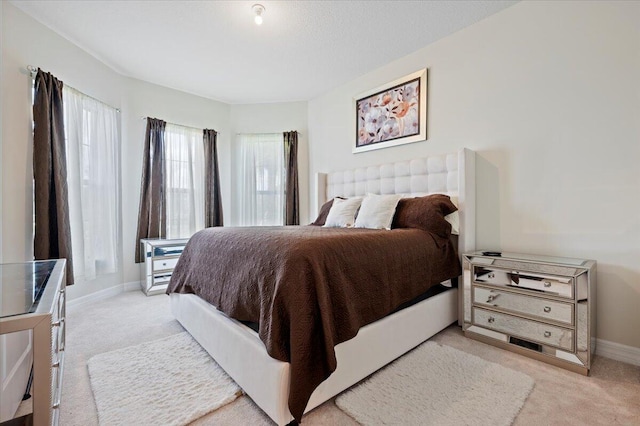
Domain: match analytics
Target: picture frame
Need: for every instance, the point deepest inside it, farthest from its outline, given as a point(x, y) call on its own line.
point(392, 114)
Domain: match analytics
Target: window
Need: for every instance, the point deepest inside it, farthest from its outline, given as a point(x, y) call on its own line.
point(261, 180)
point(184, 180)
point(93, 178)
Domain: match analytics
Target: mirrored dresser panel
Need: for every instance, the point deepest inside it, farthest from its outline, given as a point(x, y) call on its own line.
point(540, 306)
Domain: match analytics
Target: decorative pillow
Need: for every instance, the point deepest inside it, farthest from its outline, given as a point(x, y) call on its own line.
point(324, 212)
point(343, 212)
point(426, 213)
point(376, 211)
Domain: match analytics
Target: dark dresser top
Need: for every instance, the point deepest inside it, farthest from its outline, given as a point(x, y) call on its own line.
point(22, 285)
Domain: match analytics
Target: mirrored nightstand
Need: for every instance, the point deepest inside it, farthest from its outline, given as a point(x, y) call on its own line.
point(540, 306)
point(160, 257)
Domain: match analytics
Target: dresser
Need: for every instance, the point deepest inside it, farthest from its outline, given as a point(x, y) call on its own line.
point(160, 257)
point(540, 306)
point(33, 298)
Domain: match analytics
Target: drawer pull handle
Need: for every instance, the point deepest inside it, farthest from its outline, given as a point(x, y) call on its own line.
point(491, 275)
point(491, 319)
point(547, 334)
point(57, 323)
point(55, 364)
point(492, 297)
point(547, 284)
point(547, 309)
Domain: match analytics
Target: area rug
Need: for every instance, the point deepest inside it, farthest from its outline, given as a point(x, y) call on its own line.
point(438, 385)
point(170, 381)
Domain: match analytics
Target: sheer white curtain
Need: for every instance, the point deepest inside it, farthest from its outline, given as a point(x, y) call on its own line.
point(93, 170)
point(184, 180)
point(261, 180)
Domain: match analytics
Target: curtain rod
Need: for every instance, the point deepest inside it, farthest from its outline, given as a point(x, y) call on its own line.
point(265, 133)
point(182, 125)
point(34, 71)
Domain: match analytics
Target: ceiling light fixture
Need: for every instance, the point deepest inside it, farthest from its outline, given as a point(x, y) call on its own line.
point(258, 10)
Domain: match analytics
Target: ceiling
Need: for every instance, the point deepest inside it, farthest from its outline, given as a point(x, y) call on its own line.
point(215, 50)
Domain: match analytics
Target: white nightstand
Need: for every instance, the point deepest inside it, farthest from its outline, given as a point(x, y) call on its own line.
point(540, 306)
point(160, 257)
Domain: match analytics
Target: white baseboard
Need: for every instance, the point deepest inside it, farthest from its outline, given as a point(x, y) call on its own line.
point(131, 286)
point(617, 351)
point(104, 294)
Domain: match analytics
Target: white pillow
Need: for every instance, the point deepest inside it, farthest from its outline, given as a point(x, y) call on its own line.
point(377, 211)
point(342, 213)
point(454, 220)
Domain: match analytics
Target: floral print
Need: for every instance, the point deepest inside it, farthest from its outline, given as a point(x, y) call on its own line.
point(389, 115)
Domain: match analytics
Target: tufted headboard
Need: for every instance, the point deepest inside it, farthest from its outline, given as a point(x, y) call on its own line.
point(452, 174)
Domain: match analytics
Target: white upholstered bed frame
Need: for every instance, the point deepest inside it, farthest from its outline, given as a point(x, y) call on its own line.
point(240, 352)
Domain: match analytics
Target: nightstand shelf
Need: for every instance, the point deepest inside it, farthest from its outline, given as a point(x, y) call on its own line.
point(160, 257)
point(539, 306)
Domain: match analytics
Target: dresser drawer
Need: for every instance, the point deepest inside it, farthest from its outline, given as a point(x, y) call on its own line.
point(526, 305)
point(527, 329)
point(548, 284)
point(161, 264)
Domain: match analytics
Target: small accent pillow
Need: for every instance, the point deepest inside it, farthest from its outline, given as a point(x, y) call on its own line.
point(324, 212)
point(454, 220)
point(376, 211)
point(426, 213)
point(342, 213)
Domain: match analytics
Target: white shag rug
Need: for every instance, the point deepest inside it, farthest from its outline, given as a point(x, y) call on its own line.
point(438, 385)
point(170, 381)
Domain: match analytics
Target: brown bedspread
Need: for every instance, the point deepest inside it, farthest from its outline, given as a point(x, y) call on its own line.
point(310, 288)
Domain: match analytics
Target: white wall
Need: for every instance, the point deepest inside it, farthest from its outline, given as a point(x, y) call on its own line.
point(143, 99)
point(272, 118)
point(548, 95)
point(1, 109)
point(27, 42)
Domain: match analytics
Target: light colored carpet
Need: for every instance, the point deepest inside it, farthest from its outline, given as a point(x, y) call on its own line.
point(175, 378)
point(438, 385)
point(610, 396)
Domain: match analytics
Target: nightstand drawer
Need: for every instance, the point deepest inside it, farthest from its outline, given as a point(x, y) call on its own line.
point(555, 286)
point(162, 278)
point(527, 329)
point(526, 305)
point(161, 264)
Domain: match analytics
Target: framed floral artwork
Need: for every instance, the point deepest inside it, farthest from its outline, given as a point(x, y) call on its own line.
point(392, 114)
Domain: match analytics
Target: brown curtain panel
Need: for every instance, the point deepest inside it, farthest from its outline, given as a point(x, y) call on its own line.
point(152, 214)
point(291, 193)
point(212, 196)
point(52, 239)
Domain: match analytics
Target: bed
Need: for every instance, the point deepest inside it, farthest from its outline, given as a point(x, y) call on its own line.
point(240, 351)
